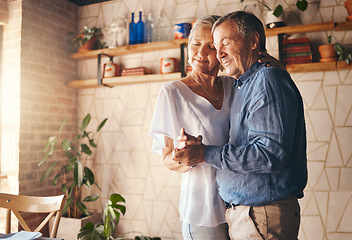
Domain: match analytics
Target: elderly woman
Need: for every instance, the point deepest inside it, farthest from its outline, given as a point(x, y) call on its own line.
point(200, 103)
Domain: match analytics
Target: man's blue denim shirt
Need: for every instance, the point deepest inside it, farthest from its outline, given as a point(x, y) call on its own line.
point(265, 159)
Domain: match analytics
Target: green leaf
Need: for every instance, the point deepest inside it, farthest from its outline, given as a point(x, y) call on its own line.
point(91, 232)
point(76, 138)
point(278, 11)
point(302, 5)
point(112, 212)
point(91, 198)
point(62, 125)
point(44, 158)
point(51, 142)
point(78, 174)
point(89, 176)
point(107, 227)
point(68, 168)
point(115, 197)
point(47, 172)
point(329, 39)
point(86, 149)
point(85, 122)
point(92, 143)
point(64, 187)
point(70, 190)
point(66, 205)
point(82, 208)
point(56, 178)
point(338, 48)
point(70, 155)
point(122, 208)
point(101, 124)
point(66, 145)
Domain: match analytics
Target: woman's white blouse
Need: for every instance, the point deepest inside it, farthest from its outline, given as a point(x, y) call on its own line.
point(176, 107)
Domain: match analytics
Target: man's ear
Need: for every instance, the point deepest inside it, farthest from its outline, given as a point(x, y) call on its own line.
point(255, 40)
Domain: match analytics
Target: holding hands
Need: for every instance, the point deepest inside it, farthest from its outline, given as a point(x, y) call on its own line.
point(191, 151)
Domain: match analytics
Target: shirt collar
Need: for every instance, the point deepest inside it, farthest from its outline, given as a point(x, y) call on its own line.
point(248, 74)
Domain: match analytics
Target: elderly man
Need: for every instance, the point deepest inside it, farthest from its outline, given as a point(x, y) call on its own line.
point(262, 171)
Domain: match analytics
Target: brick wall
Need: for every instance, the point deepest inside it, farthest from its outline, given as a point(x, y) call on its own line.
point(45, 99)
point(4, 12)
point(34, 95)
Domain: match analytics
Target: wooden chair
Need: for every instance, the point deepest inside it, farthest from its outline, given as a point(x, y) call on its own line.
point(20, 203)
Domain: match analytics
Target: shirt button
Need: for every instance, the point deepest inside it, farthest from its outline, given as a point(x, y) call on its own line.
point(219, 189)
point(239, 87)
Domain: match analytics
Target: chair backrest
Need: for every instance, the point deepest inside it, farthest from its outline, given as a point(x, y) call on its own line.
point(19, 203)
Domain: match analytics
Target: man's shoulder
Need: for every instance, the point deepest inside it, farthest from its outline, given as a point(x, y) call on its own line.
point(273, 70)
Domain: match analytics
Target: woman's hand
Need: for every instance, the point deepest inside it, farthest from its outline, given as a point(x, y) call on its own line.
point(168, 157)
point(270, 60)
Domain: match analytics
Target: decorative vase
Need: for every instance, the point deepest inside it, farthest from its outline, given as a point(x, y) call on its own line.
point(89, 45)
point(348, 6)
point(327, 53)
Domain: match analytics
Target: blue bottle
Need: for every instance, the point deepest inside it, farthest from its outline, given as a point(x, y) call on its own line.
point(140, 29)
point(132, 31)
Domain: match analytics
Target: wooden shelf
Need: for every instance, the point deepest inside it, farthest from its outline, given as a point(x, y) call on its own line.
point(130, 49)
point(317, 27)
point(156, 46)
point(318, 67)
point(115, 81)
point(111, 82)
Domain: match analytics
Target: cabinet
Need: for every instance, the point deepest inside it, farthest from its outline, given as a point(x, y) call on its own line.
point(181, 43)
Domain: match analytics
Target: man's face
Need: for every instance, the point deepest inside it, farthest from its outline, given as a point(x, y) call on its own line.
point(235, 53)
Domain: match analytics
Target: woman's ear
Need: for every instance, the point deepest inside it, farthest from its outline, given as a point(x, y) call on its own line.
point(255, 40)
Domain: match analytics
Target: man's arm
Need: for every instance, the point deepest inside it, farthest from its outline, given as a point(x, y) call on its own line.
point(271, 120)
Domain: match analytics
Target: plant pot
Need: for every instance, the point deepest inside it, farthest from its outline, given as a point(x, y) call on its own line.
point(272, 21)
point(69, 227)
point(89, 45)
point(348, 6)
point(327, 53)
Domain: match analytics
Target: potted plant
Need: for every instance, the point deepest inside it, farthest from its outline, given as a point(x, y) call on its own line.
point(300, 4)
point(327, 51)
point(342, 53)
point(274, 18)
point(111, 217)
point(333, 52)
point(348, 6)
point(73, 173)
point(87, 40)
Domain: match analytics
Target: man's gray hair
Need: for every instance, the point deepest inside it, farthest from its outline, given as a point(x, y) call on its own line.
point(246, 23)
point(207, 20)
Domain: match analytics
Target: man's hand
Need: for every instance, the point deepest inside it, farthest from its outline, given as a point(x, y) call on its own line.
point(191, 151)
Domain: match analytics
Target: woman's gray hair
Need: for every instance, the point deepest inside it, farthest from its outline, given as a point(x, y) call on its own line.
point(246, 23)
point(207, 20)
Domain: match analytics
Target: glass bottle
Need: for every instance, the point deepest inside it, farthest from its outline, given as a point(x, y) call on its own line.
point(160, 28)
point(149, 28)
point(140, 29)
point(132, 31)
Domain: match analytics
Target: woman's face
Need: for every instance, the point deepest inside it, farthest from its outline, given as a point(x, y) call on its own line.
point(201, 51)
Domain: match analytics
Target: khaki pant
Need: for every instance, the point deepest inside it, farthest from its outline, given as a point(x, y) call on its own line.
point(278, 220)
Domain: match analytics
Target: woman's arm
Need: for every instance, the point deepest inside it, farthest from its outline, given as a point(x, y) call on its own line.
point(168, 157)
